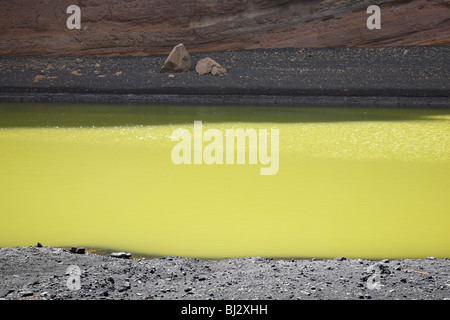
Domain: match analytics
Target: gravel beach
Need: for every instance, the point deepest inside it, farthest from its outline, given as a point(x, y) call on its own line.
point(42, 273)
point(415, 76)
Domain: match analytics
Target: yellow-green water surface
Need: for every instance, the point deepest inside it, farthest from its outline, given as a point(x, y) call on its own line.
point(369, 183)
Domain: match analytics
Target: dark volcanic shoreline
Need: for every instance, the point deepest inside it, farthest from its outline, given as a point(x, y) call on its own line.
point(416, 76)
point(37, 273)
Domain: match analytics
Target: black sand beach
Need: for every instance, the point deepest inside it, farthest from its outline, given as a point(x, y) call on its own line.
point(414, 76)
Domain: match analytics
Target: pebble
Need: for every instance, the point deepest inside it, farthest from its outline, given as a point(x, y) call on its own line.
point(27, 293)
point(122, 255)
point(340, 258)
point(202, 277)
point(78, 250)
point(126, 286)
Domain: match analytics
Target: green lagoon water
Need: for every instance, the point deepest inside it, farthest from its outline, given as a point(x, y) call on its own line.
point(369, 183)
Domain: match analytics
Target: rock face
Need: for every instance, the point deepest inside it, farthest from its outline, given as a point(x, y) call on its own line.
point(178, 60)
point(141, 27)
point(208, 65)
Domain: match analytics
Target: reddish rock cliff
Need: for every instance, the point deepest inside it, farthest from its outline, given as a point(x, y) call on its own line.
point(137, 27)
